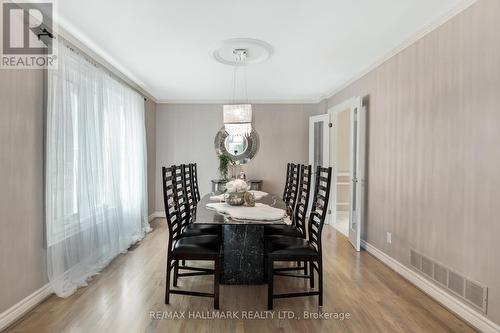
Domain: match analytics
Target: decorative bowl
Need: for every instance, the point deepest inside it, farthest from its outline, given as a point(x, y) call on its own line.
point(235, 198)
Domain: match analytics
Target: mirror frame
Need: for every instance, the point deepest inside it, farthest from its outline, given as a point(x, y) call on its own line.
point(243, 158)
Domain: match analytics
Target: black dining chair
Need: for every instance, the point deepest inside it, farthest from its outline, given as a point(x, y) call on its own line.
point(185, 196)
point(180, 247)
point(298, 216)
point(300, 249)
point(189, 197)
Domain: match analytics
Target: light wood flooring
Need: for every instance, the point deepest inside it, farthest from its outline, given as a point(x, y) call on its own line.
point(121, 298)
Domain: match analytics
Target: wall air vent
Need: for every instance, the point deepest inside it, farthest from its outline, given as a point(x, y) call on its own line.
point(476, 294)
point(471, 292)
point(456, 283)
point(440, 274)
point(427, 267)
point(415, 259)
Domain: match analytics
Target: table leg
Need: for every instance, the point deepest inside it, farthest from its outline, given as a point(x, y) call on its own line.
point(243, 254)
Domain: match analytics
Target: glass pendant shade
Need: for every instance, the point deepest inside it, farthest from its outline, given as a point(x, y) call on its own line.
point(238, 119)
point(243, 129)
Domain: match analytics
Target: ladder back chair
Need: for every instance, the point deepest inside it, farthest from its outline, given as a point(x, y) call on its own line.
point(191, 229)
point(300, 249)
point(179, 247)
point(298, 215)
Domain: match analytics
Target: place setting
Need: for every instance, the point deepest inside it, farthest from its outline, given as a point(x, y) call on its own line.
point(240, 204)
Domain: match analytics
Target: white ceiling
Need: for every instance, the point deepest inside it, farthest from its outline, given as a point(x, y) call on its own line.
point(319, 45)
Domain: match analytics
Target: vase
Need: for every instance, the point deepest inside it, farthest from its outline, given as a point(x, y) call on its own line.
point(235, 199)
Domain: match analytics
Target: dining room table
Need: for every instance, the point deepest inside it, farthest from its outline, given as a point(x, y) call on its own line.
point(243, 259)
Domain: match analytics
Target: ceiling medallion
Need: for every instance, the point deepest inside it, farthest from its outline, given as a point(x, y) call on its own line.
point(257, 51)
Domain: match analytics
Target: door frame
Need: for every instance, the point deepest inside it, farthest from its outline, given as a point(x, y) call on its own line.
point(350, 104)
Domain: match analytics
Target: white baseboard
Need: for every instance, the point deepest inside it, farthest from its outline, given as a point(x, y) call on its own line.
point(462, 310)
point(16, 311)
point(156, 215)
point(160, 214)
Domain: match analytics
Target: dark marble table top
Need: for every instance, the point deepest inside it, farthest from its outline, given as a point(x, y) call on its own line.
point(209, 216)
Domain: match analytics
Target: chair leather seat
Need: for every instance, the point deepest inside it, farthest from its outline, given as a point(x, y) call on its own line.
point(288, 247)
point(284, 230)
point(201, 229)
point(201, 247)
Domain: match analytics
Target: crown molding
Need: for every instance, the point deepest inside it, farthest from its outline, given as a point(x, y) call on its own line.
point(401, 47)
point(257, 101)
point(68, 31)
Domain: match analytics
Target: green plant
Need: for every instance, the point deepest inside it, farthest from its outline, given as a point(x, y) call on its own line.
point(224, 162)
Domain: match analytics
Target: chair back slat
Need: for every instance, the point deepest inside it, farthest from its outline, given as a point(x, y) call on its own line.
point(319, 206)
point(287, 181)
point(194, 179)
point(292, 187)
point(302, 199)
point(190, 196)
point(180, 194)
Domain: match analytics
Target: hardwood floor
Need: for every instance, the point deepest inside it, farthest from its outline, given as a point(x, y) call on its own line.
point(121, 298)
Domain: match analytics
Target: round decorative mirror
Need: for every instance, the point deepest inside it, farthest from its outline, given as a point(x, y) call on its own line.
point(240, 149)
point(236, 145)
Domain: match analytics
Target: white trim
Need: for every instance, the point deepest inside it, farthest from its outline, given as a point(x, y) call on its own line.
point(404, 45)
point(338, 88)
point(156, 215)
point(354, 106)
point(76, 36)
point(9, 316)
point(160, 214)
point(256, 101)
point(348, 104)
point(461, 309)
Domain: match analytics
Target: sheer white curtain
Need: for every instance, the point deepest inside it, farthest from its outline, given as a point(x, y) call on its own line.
point(96, 187)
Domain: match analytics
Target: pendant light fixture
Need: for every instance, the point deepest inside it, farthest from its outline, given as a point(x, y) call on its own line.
point(238, 117)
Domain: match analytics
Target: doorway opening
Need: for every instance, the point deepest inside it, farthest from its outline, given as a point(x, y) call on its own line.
point(337, 139)
point(342, 156)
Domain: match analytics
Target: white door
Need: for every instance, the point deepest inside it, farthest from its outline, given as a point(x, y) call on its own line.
point(357, 173)
point(319, 147)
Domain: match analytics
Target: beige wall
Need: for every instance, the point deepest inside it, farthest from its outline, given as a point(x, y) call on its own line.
point(434, 148)
point(185, 133)
point(22, 253)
